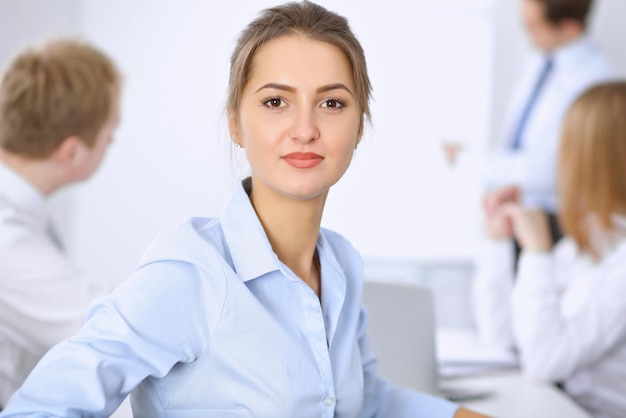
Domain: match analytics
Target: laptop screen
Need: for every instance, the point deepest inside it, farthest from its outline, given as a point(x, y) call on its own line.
point(401, 330)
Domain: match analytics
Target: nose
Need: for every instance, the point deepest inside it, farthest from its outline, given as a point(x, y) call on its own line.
point(304, 128)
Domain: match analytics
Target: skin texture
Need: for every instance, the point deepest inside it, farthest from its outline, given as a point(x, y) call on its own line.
point(506, 217)
point(530, 227)
point(299, 99)
point(497, 225)
point(283, 111)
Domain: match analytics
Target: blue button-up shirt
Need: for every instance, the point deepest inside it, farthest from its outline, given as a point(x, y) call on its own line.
point(213, 324)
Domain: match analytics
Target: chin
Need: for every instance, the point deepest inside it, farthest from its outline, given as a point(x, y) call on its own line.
point(307, 190)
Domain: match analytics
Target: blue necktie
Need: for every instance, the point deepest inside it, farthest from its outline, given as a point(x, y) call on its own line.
point(521, 126)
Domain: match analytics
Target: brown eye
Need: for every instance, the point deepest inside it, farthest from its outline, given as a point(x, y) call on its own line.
point(274, 102)
point(333, 104)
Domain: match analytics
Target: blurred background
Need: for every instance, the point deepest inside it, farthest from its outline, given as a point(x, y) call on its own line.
point(441, 71)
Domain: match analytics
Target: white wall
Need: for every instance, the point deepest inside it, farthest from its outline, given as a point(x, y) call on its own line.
point(609, 30)
point(171, 158)
point(26, 21)
point(439, 69)
point(430, 67)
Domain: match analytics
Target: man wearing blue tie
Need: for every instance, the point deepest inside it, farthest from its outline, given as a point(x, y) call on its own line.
point(523, 166)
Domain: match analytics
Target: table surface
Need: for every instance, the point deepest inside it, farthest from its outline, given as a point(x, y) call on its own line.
point(484, 369)
point(511, 395)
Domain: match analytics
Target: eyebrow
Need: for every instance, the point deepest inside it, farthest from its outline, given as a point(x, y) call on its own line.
point(290, 89)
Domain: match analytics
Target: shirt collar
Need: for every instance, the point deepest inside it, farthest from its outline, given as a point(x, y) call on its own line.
point(247, 241)
point(573, 52)
point(252, 255)
point(23, 196)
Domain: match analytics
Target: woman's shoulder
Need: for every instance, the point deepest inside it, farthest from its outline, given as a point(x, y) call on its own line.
point(615, 260)
point(337, 241)
point(179, 267)
point(343, 251)
point(196, 241)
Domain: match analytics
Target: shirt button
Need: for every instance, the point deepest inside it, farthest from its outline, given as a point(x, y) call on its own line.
point(329, 401)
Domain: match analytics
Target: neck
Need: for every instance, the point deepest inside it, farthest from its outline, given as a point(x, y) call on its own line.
point(39, 173)
point(292, 227)
point(566, 38)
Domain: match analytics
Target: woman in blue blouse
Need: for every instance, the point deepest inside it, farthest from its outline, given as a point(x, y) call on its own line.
point(256, 313)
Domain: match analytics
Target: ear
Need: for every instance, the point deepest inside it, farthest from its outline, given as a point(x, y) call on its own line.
point(69, 152)
point(233, 129)
point(360, 134)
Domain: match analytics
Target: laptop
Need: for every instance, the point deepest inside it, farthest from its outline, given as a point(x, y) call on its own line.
point(401, 330)
point(402, 333)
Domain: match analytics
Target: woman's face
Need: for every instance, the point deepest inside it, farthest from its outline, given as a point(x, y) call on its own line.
point(298, 117)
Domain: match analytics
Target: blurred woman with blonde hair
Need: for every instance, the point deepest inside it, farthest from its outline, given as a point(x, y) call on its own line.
point(565, 311)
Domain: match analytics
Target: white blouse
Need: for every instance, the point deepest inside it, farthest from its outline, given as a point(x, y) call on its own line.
point(43, 297)
point(565, 313)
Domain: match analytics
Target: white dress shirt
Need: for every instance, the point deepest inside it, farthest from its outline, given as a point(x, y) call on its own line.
point(43, 299)
point(565, 313)
point(213, 324)
point(576, 66)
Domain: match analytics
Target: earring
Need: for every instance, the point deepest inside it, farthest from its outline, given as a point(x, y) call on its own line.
point(237, 145)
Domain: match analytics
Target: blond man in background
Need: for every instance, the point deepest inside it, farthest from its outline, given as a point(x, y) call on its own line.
point(59, 107)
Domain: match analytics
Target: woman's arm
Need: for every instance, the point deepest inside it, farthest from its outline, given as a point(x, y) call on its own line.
point(154, 320)
point(553, 344)
point(491, 291)
point(493, 281)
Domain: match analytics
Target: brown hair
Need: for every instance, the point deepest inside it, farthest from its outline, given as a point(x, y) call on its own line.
point(592, 161)
point(557, 11)
point(307, 19)
point(62, 88)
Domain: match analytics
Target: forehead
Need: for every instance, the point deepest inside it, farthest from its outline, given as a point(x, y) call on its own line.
point(300, 61)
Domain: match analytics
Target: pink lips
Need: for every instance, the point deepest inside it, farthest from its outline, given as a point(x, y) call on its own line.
point(303, 159)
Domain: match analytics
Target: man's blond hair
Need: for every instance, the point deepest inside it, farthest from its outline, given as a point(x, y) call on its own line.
point(62, 88)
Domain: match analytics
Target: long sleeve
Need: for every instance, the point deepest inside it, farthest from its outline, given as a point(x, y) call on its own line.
point(46, 298)
point(43, 297)
point(554, 342)
point(138, 331)
point(491, 293)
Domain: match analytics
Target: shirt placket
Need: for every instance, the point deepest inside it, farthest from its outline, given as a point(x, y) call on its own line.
point(314, 319)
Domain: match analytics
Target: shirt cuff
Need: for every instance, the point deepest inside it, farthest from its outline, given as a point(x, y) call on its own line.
point(497, 247)
point(536, 271)
point(495, 258)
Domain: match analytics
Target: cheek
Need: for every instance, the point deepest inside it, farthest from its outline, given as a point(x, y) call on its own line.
point(347, 140)
point(256, 132)
point(351, 131)
point(257, 146)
